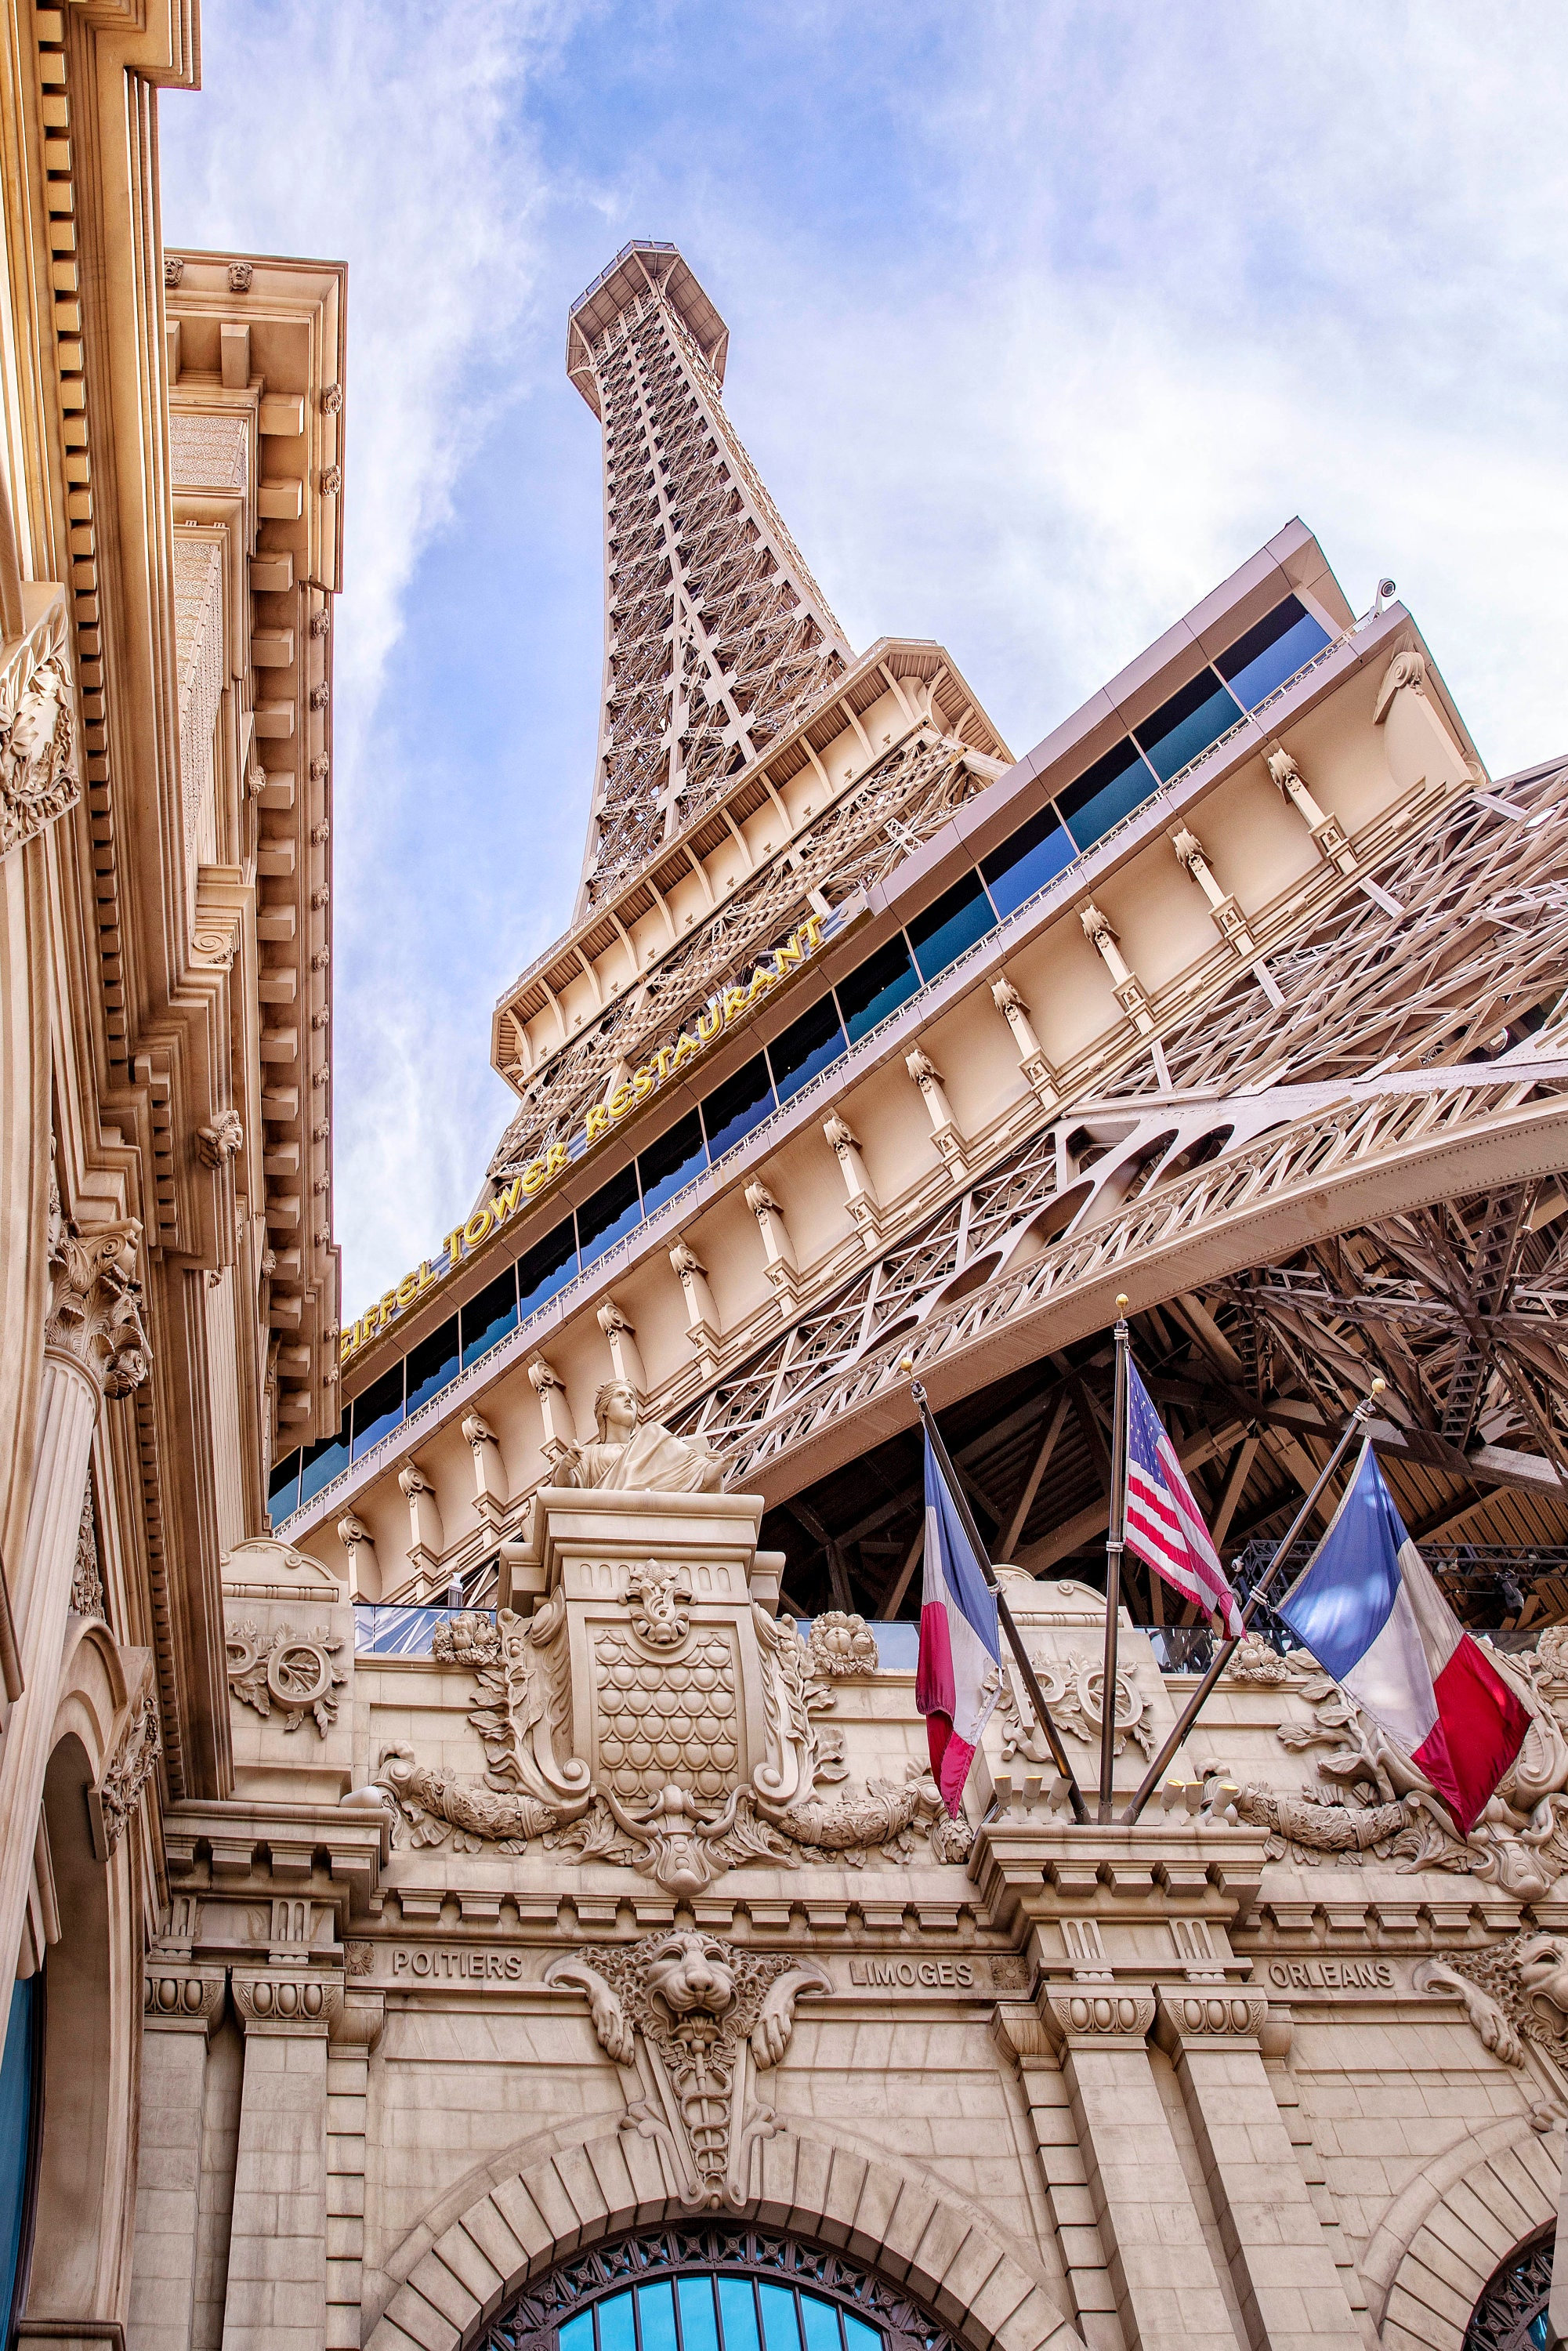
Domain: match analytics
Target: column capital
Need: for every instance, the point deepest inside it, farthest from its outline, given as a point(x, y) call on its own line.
point(179, 1998)
point(356, 2027)
point(1094, 2017)
point(306, 2002)
point(95, 1304)
point(1195, 2017)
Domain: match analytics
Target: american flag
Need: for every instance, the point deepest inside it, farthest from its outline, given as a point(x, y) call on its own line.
point(1164, 1525)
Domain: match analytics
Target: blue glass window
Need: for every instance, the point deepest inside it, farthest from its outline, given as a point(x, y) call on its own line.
point(671, 1161)
point(1188, 724)
point(283, 1486)
point(806, 1046)
point(780, 2326)
point(17, 2068)
point(1281, 644)
point(377, 1410)
point(487, 1318)
point(960, 916)
point(732, 1109)
point(737, 2314)
point(877, 987)
point(577, 2334)
point(656, 2316)
point(608, 1213)
point(1109, 790)
point(546, 1267)
point(699, 2326)
point(819, 2321)
point(616, 2332)
point(433, 1365)
point(1028, 859)
point(323, 1462)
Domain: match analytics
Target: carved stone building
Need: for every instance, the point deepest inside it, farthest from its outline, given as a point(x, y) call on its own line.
point(540, 1928)
point(169, 551)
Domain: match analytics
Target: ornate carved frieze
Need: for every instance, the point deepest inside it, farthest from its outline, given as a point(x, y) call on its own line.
point(652, 1713)
point(1077, 2018)
point(693, 2018)
point(87, 1576)
point(132, 1765)
point(1195, 2016)
point(177, 1998)
point(308, 2001)
point(221, 1140)
point(38, 778)
point(292, 1671)
point(1073, 1688)
point(95, 1305)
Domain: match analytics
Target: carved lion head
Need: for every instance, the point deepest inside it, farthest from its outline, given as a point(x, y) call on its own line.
point(689, 1972)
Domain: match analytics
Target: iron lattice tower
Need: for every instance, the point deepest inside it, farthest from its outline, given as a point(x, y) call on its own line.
point(716, 637)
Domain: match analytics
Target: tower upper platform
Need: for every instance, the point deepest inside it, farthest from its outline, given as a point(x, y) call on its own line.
point(641, 267)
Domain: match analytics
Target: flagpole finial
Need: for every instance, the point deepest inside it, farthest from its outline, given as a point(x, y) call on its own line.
point(906, 1362)
point(1122, 1301)
point(1378, 1385)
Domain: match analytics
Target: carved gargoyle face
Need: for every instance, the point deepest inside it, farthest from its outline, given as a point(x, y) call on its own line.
point(1544, 1973)
point(689, 1972)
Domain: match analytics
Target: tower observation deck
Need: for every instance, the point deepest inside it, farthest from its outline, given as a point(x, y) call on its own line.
point(716, 637)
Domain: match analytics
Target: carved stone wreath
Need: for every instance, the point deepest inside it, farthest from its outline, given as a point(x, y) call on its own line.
point(292, 1671)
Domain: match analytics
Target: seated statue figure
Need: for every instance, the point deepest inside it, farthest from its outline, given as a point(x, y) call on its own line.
point(631, 1452)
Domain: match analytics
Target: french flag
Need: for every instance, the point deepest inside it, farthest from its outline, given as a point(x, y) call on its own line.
point(1370, 1612)
point(958, 1677)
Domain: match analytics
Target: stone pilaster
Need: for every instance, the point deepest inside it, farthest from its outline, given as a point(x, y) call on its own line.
point(180, 2004)
point(354, 2036)
point(1168, 2295)
point(1283, 2271)
point(1017, 2032)
point(277, 2298)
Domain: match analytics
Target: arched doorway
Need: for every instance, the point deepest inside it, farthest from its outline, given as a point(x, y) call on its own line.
point(697, 2286)
point(1510, 2315)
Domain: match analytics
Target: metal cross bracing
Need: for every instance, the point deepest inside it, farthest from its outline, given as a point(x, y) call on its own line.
point(906, 796)
point(717, 637)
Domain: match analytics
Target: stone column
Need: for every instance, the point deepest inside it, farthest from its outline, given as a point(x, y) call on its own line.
point(94, 1346)
point(181, 2005)
point(354, 2037)
point(276, 2298)
point(1286, 2279)
point(1167, 2296)
point(1018, 2032)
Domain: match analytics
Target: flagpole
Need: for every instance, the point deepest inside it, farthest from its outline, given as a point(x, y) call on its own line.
point(1189, 1714)
point(1115, 1537)
point(1005, 1614)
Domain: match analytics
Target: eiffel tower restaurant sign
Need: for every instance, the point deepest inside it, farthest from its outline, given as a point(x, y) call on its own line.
point(730, 1009)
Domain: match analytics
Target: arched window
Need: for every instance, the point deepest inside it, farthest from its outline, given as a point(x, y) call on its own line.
point(719, 2288)
point(1512, 2313)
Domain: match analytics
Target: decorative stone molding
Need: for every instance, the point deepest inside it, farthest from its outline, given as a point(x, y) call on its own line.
point(864, 1210)
point(1406, 672)
point(37, 775)
point(655, 1592)
point(95, 1307)
point(782, 1270)
point(1032, 1061)
point(131, 1767)
point(561, 1436)
point(1224, 910)
point(221, 1141)
point(704, 1329)
point(86, 1578)
point(1329, 836)
point(945, 1132)
point(173, 270)
point(177, 1998)
point(240, 275)
point(1078, 2019)
point(1129, 991)
point(426, 1533)
point(839, 1644)
point(1514, 1993)
point(290, 1671)
point(489, 1478)
point(625, 1353)
point(356, 1540)
point(702, 2015)
point(1073, 1688)
point(269, 2000)
point(1199, 2015)
point(469, 1638)
point(359, 2023)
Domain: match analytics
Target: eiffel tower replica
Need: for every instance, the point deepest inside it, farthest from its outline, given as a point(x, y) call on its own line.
point(1240, 993)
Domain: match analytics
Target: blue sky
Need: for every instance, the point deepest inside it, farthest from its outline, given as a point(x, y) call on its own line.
point(1042, 318)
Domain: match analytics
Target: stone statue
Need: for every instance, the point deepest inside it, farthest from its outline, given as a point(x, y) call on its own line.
point(637, 1454)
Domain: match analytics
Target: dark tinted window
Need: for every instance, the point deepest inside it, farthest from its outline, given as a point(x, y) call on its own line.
point(1268, 655)
point(671, 1161)
point(1188, 724)
point(732, 1109)
point(960, 916)
point(376, 1409)
point(323, 1462)
point(433, 1365)
point(1027, 861)
point(283, 1486)
point(487, 1318)
point(547, 1267)
point(611, 1211)
point(806, 1046)
point(877, 987)
point(1111, 789)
